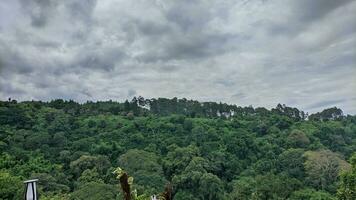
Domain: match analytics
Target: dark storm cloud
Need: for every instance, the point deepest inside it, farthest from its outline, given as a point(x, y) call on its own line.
point(257, 53)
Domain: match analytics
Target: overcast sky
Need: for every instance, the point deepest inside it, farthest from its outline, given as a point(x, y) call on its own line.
point(258, 52)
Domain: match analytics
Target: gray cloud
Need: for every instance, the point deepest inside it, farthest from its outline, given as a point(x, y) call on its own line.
point(302, 15)
point(39, 11)
point(326, 103)
point(310, 11)
point(42, 11)
point(131, 93)
point(87, 93)
point(82, 10)
point(195, 46)
point(102, 59)
point(11, 89)
point(1, 64)
point(13, 62)
point(239, 95)
point(196, 15)
point(259, 53)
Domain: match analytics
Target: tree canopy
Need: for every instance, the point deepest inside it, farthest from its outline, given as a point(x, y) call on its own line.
point(206, 150)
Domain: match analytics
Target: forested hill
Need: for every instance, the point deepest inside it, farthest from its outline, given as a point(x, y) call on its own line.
point(208, 151)
point(164, 107)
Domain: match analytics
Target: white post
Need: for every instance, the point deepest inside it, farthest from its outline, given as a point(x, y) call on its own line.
point(31, 190)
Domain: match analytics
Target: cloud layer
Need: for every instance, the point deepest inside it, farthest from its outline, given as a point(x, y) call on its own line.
point(260, 53)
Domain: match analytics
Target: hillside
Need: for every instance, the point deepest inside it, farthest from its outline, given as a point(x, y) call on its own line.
point(206, 150)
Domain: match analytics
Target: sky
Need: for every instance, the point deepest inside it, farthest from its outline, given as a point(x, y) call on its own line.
point(300, 53)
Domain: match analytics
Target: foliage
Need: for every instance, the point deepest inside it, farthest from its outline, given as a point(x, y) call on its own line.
point(96, 191)
point(323, 168)
point(347, 187)
point(207, 150)
point(311, 194)
point(11, 187)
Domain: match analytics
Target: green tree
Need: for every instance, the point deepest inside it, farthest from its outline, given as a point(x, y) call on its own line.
point(210, 187)
point(347, 187)
point(145, 168)
point(90, 175)
point(323, 168)
point(48, 183)
point(198, 182)
point(292, 163)
point(178, 158)
point(11, 187)
point(101, 163)
point(298, 139)
point(243, 189)
point(311, 194)
point(96, 191)
point(272, 186)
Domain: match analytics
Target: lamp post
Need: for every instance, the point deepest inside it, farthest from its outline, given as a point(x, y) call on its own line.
point(31, 190)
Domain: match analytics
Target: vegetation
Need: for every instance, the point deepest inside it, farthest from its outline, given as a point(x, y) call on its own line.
point(347, 188)
point(205, 150)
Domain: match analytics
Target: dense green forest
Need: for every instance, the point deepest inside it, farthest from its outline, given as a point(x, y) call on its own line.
point(207, 151)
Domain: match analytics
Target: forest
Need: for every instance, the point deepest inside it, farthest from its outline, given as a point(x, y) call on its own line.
point(205, 150)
